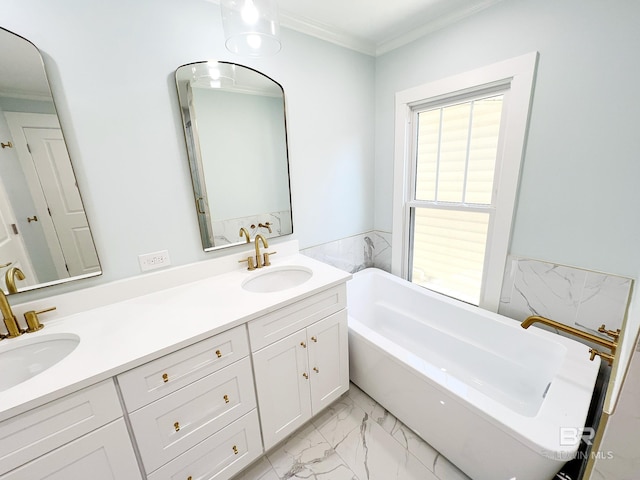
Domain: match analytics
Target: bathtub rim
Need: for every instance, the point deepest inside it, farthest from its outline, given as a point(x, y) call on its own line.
point(541, 432)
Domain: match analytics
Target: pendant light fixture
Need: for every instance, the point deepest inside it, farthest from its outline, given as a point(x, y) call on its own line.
point(251, 27)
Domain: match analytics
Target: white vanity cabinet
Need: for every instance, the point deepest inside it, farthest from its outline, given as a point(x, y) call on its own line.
point(300, 361)
point(68, 438)
point(193, 412)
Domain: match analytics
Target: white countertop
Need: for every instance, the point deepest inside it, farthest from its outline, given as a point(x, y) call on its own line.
point(125, 334)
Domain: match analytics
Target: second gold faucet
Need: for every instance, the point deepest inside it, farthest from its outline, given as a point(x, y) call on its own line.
point(259, 260)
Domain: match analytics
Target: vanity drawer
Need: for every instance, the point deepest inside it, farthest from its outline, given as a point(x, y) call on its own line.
point(220, 456)
point(158, 378)
point(38, 431)
point(177, 422)
point(287, 320)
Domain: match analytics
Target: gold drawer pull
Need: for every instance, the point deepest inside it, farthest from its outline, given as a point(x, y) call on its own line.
point(226, 399)
point(314, 339)
point(235, 450)
point(218, 353)
point(177, 426)
point(304, 345)
point(315, 369)
point(165, 377)
point(305, 376)
point(189, 477)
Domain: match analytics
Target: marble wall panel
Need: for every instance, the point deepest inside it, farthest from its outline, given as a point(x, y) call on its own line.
point(352, 254)
point(574, 296)
point(228, 231)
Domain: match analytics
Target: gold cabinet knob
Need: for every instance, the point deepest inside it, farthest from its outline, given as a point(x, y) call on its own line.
point(226, 399)
point(303, 345)
point(235, 450)
point(177, 426)
point(165, 377)
point(315, 369)
point(218, 353)
point(305, 376)
point(314, 339)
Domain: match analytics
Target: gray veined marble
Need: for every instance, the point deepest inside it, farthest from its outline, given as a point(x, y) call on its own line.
point(353, 439)
point(573, 296)
point(355, 253)
point(227, 231)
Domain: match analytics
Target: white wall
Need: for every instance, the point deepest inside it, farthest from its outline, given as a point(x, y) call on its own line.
point(579, 190)
point(111, 64)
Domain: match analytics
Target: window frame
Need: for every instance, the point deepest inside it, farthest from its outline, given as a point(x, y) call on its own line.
point(516, 76)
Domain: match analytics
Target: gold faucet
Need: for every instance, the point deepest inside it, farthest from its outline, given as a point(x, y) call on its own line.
point(259, 262)
point(13, 330)
point(266, 225)
point(610, 344)
point(10, 279)
point(245, 233)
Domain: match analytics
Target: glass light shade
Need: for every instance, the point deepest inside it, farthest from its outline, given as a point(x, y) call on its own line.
point(251, 26)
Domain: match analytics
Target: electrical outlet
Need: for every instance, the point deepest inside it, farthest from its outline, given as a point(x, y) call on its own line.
point(150, 261)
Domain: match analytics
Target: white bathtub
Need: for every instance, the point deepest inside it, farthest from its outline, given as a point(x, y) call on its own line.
point(500, 402)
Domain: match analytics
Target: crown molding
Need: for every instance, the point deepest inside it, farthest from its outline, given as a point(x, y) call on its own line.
point(431, 26)
point(326, 33)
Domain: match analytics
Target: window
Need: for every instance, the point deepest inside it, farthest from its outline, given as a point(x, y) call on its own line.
point(459, 146)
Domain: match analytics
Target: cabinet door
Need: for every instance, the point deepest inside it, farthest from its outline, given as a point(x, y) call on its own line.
point(105, 454)
point(328, 360)
point(282, 386)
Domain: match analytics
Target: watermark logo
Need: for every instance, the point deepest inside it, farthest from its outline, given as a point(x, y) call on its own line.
point(572, 435)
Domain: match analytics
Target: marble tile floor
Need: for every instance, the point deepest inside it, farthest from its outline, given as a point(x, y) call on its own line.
point(353, 439)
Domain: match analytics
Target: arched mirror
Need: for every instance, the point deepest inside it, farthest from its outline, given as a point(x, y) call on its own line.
point(44, 231)
point(235, 130)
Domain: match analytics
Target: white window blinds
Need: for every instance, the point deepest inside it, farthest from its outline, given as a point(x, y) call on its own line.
point(455, 161)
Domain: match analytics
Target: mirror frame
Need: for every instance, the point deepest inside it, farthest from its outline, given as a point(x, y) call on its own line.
point(196, 165)
point(40, 200)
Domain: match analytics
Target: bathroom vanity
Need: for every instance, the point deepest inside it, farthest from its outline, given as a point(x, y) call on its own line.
point(192, 372)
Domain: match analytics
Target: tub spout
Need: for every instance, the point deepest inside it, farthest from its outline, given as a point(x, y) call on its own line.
point(610, 344)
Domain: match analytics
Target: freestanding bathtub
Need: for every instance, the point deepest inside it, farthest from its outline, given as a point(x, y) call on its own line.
point(500, 402)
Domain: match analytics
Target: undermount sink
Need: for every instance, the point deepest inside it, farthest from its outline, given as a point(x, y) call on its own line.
point(275, 279)
point(30, 357)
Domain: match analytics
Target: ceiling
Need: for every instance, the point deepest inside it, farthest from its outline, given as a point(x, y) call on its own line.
point(374, 27)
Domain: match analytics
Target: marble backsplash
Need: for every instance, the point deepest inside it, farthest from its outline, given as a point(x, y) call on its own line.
point(352, 254)
point(573, 296)
point(226, 232)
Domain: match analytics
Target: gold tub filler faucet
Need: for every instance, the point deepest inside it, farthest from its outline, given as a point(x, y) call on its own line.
point(612, 345)
point(258, 261)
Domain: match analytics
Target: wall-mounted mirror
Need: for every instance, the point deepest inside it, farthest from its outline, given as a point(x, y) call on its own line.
point(43, 227)
point(235, 130)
